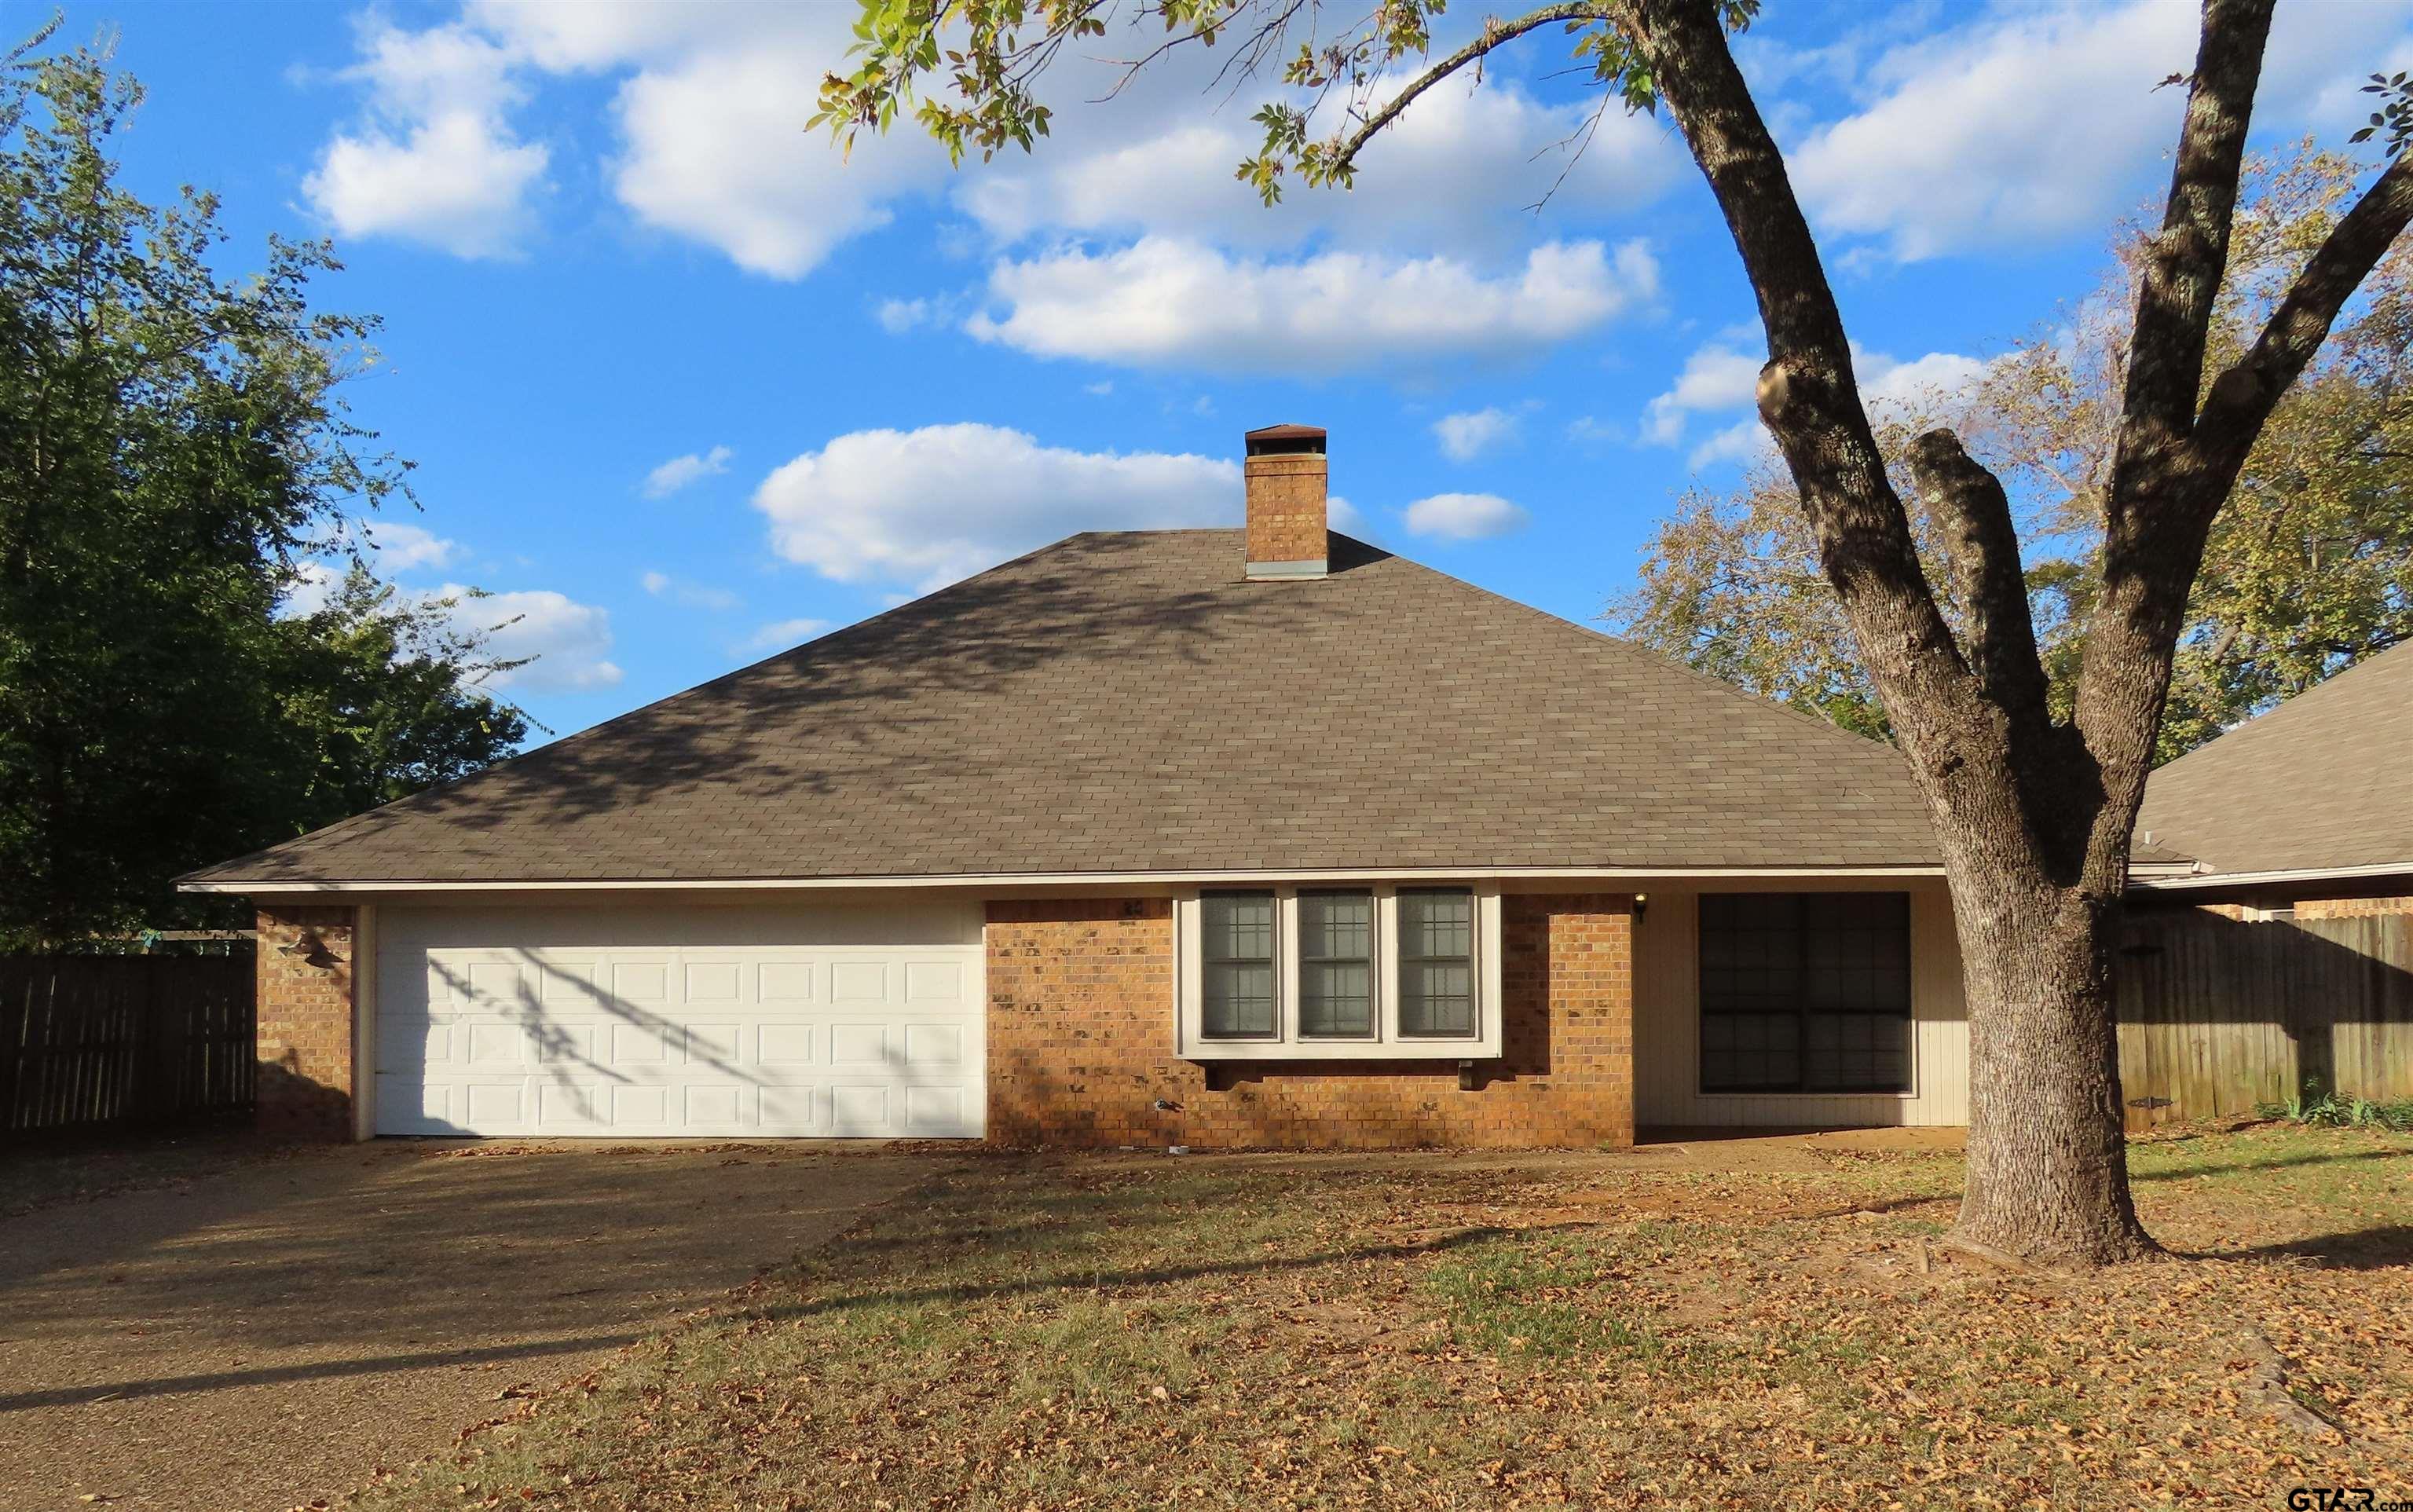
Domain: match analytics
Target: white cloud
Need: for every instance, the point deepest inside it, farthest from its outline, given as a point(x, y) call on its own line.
point(708, 101)
point(1744, 442)
point(898, 315)
point(1165, 303)
point(1716, 376)
point(783, 633)
point(716, 150)
point(399, 547)
point(691, 595)
point(436, 162)
point(1469, 433)
point(1890, 387)
point(567, 639)
point(887, 506)
point(678, 472)
point(1591, 430)
point(313, 585)
point(2045, 119)
point(1464, 516)
point(1718, 380)
point(1446, 175)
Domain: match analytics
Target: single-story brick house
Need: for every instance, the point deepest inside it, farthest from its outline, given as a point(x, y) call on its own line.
point(1215, 837)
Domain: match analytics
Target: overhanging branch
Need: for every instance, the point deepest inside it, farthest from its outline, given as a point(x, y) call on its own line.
point(1495, 33)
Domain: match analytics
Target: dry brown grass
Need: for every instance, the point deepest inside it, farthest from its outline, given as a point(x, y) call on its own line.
point(1461, 1332)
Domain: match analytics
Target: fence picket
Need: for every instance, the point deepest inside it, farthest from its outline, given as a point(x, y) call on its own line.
point(96, 1039)
point(2219, 1015)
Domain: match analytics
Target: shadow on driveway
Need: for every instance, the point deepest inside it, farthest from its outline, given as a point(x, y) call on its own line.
point(279, 1330)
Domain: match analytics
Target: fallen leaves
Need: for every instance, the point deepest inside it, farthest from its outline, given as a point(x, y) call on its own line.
point(1074, 1333)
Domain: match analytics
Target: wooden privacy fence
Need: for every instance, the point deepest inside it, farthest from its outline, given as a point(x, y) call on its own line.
point(2219, 1015)
point(88, 1040)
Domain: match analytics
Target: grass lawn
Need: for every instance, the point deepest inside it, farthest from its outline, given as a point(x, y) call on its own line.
point(1486, 1331)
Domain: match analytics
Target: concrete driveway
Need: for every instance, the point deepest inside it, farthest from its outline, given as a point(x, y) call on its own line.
point(275, 1332)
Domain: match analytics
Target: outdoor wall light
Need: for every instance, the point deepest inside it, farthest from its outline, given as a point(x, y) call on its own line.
point(309, 947)
point(1641, 906)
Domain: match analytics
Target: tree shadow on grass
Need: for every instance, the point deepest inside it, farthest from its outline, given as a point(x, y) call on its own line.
point(2384, 1248)
point(2180, 1172)
point(1100, 1279)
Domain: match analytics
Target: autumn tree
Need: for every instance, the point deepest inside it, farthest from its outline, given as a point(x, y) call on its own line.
point(2309, 566)
point(2033, 811)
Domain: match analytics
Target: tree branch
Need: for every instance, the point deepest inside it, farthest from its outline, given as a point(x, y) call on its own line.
point(1495, 32)
point(2186, 262)
point(1983, 546)
point(1808, 396)
point(2158, 504)
point(2242, 398)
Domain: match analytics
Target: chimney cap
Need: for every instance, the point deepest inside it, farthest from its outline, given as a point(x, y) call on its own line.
point(1274, 440)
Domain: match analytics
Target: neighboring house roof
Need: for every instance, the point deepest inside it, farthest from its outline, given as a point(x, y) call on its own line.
point(1126, 701)
point(2322, 783)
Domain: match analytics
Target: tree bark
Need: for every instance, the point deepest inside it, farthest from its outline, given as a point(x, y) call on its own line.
point(2048, 1172)
point(2019, 803)
point(2034, 817)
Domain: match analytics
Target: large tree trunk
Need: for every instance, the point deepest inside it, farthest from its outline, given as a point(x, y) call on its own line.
point(2047, 1169)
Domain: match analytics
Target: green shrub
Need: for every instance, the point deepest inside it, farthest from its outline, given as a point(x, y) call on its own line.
point(2327, 1109)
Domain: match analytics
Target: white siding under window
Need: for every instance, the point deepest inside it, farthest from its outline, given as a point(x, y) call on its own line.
point(1667, 1026)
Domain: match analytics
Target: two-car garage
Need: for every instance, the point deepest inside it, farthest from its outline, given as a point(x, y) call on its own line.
point(679, 1020)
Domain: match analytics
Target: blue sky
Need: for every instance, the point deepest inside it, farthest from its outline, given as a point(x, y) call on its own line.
point(685, 387)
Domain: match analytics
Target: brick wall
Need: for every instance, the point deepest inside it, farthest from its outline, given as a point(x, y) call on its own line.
point(1287, 508)
point(1080, 1040)
point(306, 1023)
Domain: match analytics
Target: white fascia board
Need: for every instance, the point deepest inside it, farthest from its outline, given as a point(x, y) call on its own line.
point(265, 888)
point(2257, 879)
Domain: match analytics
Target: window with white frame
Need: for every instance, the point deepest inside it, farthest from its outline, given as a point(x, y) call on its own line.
point(1313, 971)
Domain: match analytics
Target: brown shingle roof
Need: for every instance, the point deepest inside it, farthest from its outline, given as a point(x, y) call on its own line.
point(2323, 781)
point(1128, 703)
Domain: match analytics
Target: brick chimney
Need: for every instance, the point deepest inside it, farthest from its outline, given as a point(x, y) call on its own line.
point(1287, 476)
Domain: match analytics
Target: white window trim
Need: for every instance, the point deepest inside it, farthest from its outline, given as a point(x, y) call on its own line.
point(1386, 1043)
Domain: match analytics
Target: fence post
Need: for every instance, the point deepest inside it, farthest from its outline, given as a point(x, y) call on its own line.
point(16, 994)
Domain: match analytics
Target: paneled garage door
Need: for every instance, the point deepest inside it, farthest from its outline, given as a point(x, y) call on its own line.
point(833, 1022)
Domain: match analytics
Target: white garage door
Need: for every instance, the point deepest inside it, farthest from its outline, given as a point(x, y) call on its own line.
point(832, 1022)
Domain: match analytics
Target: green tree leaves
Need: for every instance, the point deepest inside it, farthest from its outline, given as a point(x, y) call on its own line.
point(171, 444)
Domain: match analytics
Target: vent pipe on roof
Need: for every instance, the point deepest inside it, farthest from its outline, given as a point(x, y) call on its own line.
point(1287, 477)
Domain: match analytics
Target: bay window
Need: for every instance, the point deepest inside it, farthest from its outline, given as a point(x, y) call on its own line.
point(1370, 971)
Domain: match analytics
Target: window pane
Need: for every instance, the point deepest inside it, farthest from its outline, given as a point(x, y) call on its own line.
point(1858, 1052)
point(1236, 987)
point(1805, 992)
point(1750, 1052)
point(1436, 923)
point(1336, 970)
point(1437, 964)
point(1335, 999)
point(1434, 998)
point(1239, 926)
